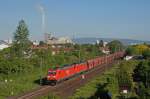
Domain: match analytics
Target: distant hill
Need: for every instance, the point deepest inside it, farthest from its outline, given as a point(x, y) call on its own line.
point(93, 40)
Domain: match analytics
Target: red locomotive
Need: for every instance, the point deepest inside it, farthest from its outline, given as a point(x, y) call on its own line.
point(60, 74)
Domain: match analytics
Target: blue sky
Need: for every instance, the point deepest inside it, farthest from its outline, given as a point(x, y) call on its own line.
point(81, 18)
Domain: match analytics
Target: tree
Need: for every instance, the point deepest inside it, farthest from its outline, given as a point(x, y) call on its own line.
point(142, 91)
point(131, 50)
point(115, 46)
point(21, 41)
point(124, 79)
point(146, 54)
point(141, 48)
point(77, 46)
point(42, 43)
point(142, 73)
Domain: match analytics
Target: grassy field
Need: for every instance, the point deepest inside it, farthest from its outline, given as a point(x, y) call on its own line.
point(19, 83)
point(103, 83)
point(14, 83)
point(89, 89)
point(107, 82)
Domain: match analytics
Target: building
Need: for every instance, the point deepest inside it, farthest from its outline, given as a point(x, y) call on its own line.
point(97, 42)
point(55, 49)
point(50, 40)
point(36, 42)
point(9, 41)
point(3, 45)
point(105, 50)
point(47, 37)
point(105, 43)
point(128, 58)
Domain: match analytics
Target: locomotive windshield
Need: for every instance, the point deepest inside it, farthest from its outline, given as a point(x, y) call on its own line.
point(52, 73)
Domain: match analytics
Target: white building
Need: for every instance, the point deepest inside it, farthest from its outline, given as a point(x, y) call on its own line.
point(64, 40)
point(97, 42)
point(36, 42)
point(3, 45)
point(105, 43)
point(56, 41)
point(9, 41)
point(128, 58)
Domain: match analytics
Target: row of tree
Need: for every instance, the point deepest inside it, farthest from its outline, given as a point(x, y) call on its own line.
point(141, 49)
point(21, 58)
point(135, 80)
point(141, 76)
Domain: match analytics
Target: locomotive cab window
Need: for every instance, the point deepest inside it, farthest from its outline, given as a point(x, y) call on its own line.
point(52, 72)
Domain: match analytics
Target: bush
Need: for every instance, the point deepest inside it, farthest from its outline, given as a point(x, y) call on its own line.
point(14, 65)
point(146, 54)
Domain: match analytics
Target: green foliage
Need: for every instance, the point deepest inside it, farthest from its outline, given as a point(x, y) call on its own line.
point(76, 46)
point(142, 91)
point(91, 50)
point(14, 65)
point(124, 78)
point(50, 96)
point(131, 51)
point(42, 43)
point(141, 49)
point(146, 54)
point(141, 76)
point(26, 66)
point(115, 46)
point(142, 71)
point(21, 42)
point(107, 83)
point(18, 83)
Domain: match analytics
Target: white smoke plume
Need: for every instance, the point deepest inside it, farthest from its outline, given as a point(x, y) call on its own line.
point(42, 11)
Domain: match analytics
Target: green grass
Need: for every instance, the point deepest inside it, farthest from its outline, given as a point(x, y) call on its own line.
point(109, 78)
point(18, 83)
point(50, 96)
point(90, 88)
point(26, 81)
point(23, 82)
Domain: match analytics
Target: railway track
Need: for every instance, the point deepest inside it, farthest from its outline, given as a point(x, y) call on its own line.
point(65, 88)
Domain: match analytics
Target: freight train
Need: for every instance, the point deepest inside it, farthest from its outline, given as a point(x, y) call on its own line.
point(68, 71)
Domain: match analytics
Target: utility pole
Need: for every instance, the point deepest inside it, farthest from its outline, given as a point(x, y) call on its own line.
point(41, 62)
point(42, 12)
point(79, 53)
